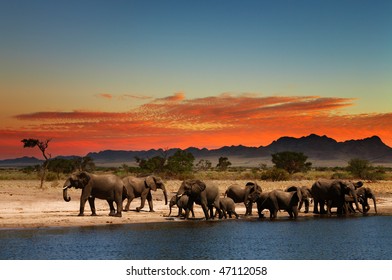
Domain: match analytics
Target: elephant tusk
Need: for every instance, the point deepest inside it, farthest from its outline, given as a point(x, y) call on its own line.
point(66, 187)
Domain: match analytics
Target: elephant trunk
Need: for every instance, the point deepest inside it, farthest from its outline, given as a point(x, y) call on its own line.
point(354, 195)
point(66, 197)
point(374, 201)
point(164, 193)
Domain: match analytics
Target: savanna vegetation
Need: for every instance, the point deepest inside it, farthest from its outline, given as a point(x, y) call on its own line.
point(181, 165)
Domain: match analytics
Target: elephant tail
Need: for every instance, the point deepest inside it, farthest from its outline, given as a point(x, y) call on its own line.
point(124, 193)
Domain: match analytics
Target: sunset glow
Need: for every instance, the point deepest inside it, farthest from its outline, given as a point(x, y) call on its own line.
point(180, 74)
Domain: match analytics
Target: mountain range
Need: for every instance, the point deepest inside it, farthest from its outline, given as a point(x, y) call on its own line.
point(321, 151)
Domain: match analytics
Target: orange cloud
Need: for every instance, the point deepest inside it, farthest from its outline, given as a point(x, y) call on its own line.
point(135, 96)
point(105, 95)
point(212, 122)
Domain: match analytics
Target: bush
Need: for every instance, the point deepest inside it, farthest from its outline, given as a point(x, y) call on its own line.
point(340, 175)
point(359, 168)
point(275, 174)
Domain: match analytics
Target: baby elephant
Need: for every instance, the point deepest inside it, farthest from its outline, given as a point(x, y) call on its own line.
point(227, 206)
point(182, 203)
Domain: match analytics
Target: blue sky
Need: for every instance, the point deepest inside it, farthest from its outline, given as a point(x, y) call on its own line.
point(66, 53)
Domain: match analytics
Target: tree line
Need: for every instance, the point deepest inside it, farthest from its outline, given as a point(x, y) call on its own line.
point(286, 164)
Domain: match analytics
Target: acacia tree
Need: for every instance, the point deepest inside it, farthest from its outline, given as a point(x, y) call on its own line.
point(42, 146)
point(180, 162)
point(292, 162)
point(223, 163)
point(203, 164)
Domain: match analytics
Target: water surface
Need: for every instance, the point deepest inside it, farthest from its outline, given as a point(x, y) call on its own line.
point(306, 238)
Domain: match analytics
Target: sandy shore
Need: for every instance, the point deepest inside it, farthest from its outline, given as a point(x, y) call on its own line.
point(24, 205)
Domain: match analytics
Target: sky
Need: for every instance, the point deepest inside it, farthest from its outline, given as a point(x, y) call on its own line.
point(139, 75)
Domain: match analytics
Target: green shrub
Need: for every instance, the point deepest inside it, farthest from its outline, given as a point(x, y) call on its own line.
point(275, 174)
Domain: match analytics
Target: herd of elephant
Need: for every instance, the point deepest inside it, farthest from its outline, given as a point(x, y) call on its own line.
point(343, 195)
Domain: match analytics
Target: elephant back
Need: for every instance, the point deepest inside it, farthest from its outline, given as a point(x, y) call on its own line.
point(236, 193)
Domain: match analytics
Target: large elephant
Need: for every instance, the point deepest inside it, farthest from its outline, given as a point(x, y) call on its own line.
point(182, 204)
point(277, 200)
point(204, 194)
point(240, 194)
point(333, 191)
point(142, 187)
point(306, 196)
point(108, 187)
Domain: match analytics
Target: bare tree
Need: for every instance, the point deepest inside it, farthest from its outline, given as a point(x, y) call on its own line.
point(42, 146)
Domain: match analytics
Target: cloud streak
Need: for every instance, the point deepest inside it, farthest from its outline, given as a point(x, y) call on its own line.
point(215, 121)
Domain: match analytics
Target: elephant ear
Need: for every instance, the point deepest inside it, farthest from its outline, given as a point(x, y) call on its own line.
point(358, 184)
point(84, 179)
point(292, 189)
point(197, 186)
point(150, 183)
point(253, 186)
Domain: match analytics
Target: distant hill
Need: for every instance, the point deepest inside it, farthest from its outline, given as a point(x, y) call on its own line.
point(321, 150)
point(20, 162)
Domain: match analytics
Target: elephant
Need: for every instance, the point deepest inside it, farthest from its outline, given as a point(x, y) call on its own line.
point(204, 194)
point(306, 196)
point(141, 187)
point(227, 206)
point(240, 194)
point(363, 193)
point(181, 203)
point(347, 207)
point(109, 187)
point(277, 200)
point(333, 191)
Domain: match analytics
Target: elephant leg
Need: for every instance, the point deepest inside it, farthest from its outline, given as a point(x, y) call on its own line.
point(300, 205)
point(306, 206)
point(188, 208)
point(112, 210)
point(295, 211)
point(248, 208)
point(205, 210)
point(259, 210)
point(272, 214)
point(143, 198)
point(149, 199)
point(119, 208)
point(220, 212)
point(82, 203)
point(91, 201)
point(129, 200)
point(315, 206)
point(211, 212)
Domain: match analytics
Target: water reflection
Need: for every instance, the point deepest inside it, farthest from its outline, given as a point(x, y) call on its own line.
point(331, 238)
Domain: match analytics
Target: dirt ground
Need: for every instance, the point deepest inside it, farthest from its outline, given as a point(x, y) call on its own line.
point(24, 205)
